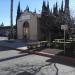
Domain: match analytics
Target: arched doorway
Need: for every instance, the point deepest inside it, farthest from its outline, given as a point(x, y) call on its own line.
point(26, 31)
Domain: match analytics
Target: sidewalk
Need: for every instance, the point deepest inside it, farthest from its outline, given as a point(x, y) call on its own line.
point(14, 44)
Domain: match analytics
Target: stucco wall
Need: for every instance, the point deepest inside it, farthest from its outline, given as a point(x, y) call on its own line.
point(32, 26)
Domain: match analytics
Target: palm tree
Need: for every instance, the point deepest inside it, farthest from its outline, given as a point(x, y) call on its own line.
point(11, 18)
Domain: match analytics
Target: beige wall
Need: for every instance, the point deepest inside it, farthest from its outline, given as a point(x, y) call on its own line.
point(32, 26)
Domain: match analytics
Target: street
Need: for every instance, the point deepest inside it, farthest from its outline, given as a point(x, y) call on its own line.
point(14, 62)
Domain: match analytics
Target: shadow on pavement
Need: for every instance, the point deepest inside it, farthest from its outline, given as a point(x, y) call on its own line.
point(12, 43)
point(24, 73)
point(72, 55)
point(14, 57)
point(61, 61)
point(4, 48)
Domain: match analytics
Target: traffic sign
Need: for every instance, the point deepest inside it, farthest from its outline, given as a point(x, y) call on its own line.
point(64, 27)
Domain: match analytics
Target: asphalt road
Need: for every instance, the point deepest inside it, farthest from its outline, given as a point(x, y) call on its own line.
point(14, 62)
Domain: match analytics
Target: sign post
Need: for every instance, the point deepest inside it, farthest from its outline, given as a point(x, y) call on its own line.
point(64, 27)
point(64, 42)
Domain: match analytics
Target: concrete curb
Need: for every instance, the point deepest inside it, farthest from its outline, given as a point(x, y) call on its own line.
point(44, 54)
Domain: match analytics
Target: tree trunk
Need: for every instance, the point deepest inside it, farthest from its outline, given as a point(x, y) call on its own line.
point(11, 19)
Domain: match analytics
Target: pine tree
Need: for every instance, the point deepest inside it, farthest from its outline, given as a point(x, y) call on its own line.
point(2, 25)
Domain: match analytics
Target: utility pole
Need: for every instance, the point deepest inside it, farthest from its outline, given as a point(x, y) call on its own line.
point(11, 19)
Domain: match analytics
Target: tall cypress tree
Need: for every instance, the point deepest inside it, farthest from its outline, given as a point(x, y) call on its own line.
point(17, 17)
point(18, 11)
point(62, 6)
point(61, 10)
point(44, 17)
point(48, 10)
point(11, 19)
point(43, 7)
point(47, 22)
point(27, 8)
point(56, 9)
